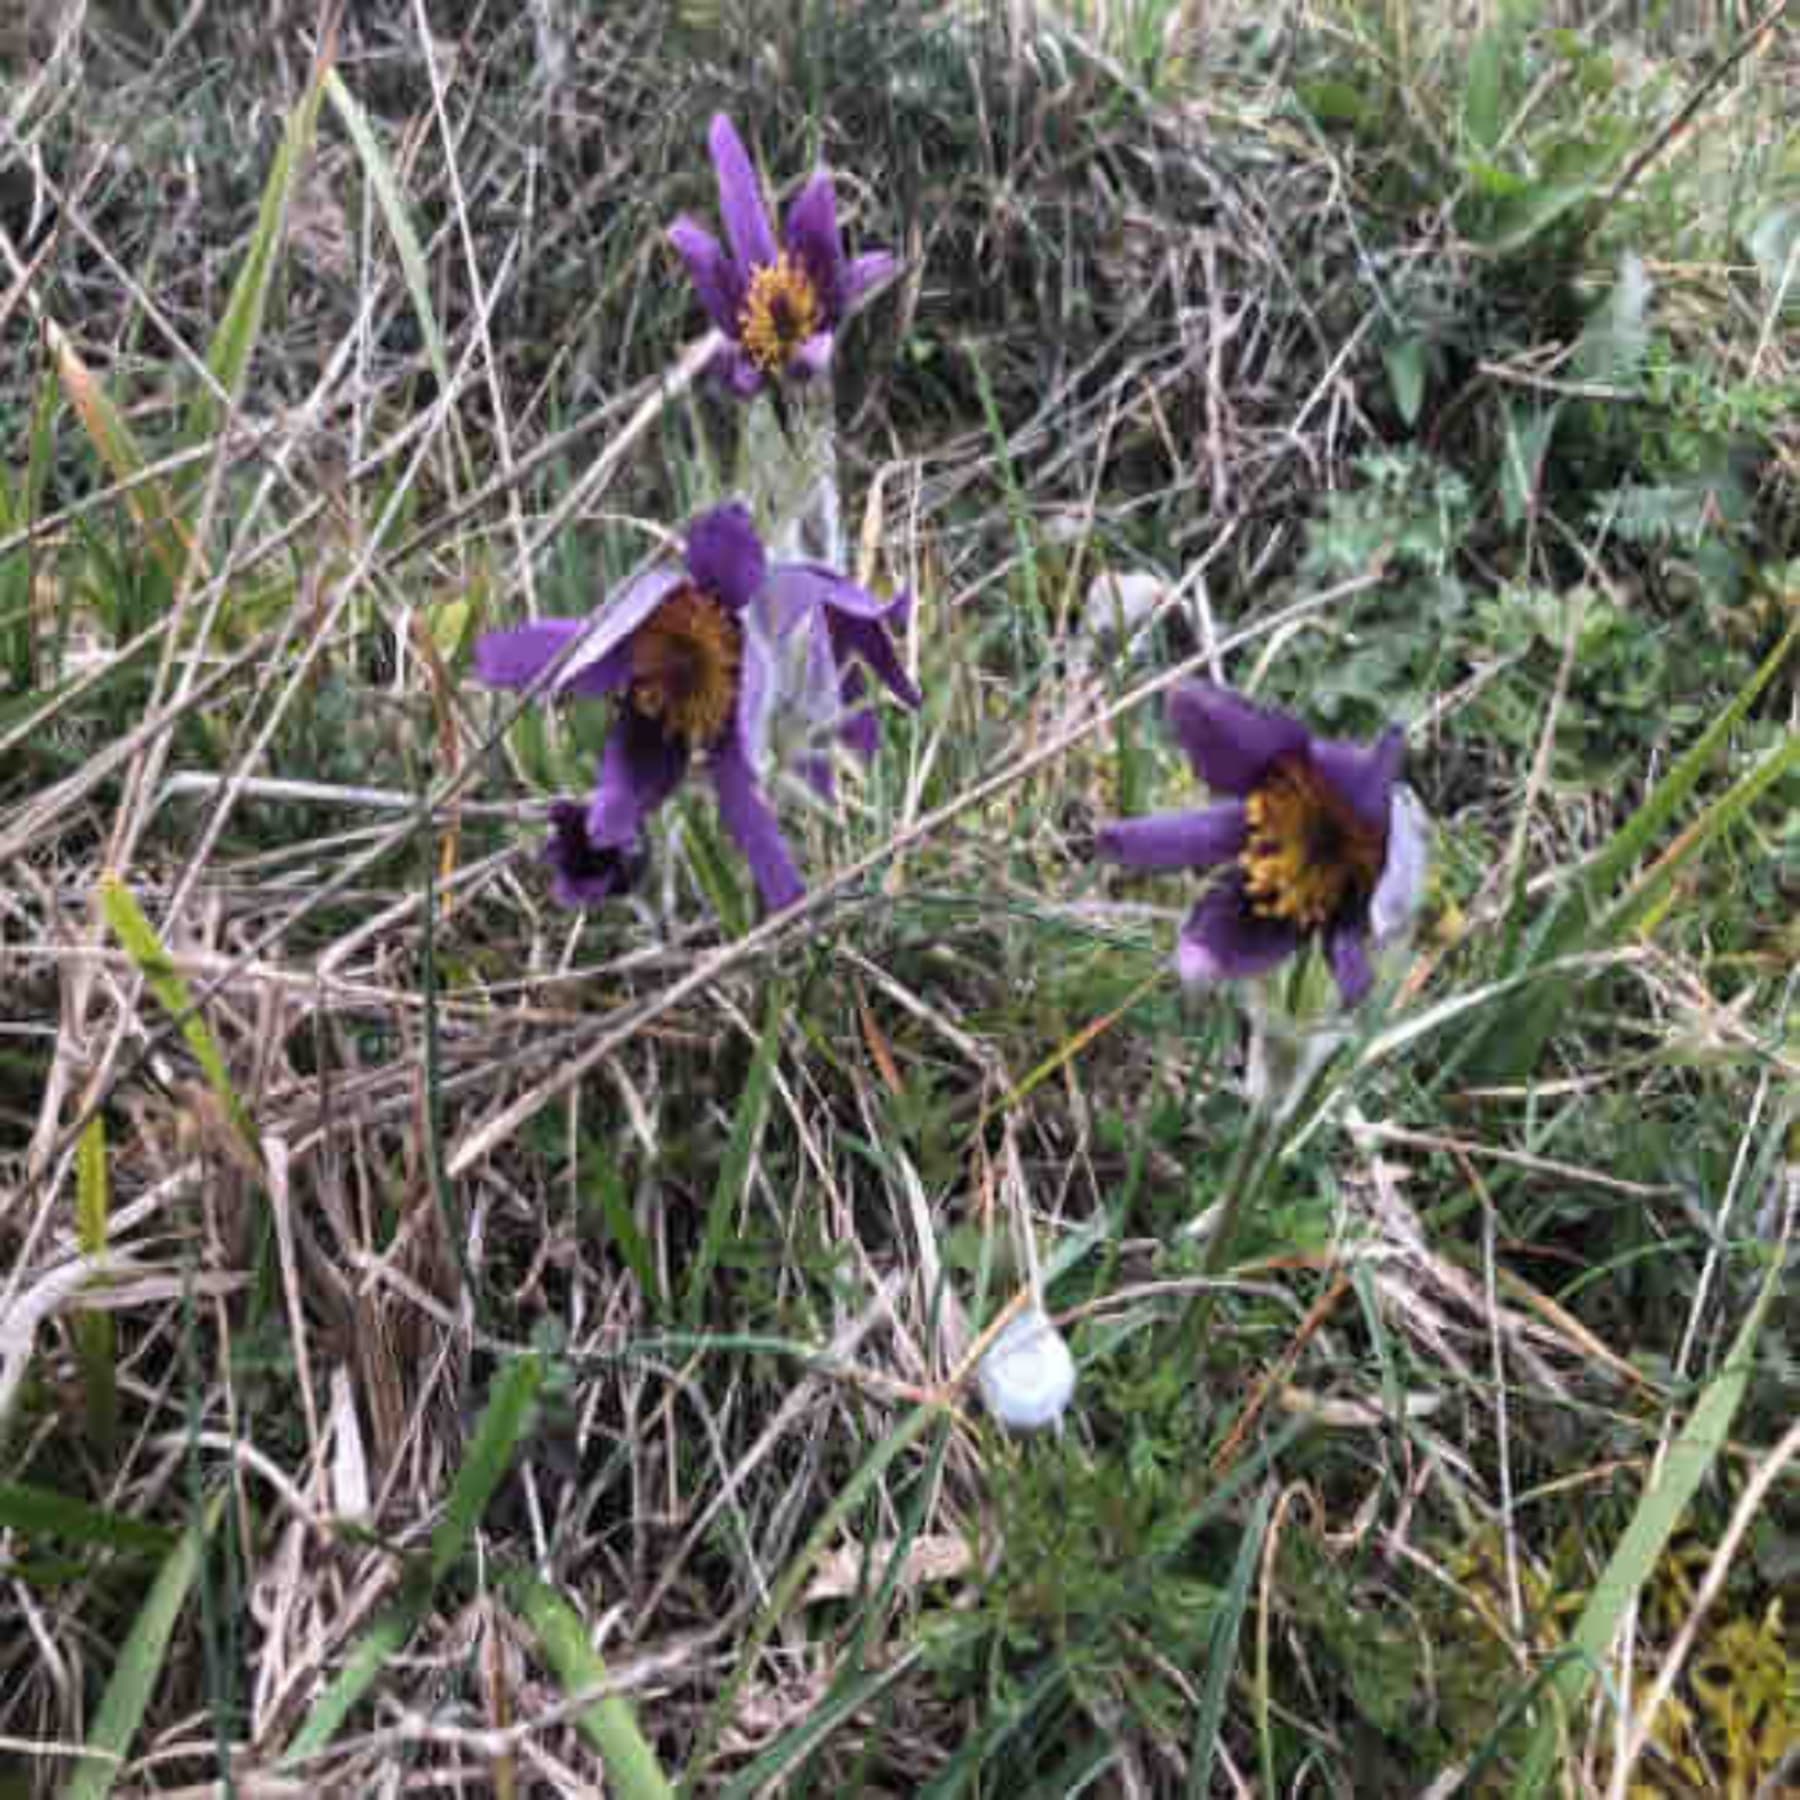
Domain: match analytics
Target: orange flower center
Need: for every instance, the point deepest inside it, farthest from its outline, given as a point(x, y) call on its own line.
point(1307, 853)
point(684, 666)
point(781, 311)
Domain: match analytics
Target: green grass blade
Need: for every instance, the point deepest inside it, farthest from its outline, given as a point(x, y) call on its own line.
point(140, 1663)
point(734, 1171)
point(383, 1640)
point(1221, 1650)
point(94, 1337)
point(1649, 894)
point(504, 1423)
point(392, 205)
point(794, 1746)
point(608, 1188)
point(137, 937)
point(1659, 1511)
point(824, 1534)
point(1634, 837)
point(117, 446)
point(228, 357)
point(632, 1770)
point(42, 1512)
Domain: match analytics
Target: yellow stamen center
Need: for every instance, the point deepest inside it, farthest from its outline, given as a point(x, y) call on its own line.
point(1307, 853)
point(684, 666)
point(780, 312)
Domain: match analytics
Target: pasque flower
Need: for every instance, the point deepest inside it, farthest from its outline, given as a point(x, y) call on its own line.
point(1315, 840)
point(777, 302)
point(678, 651)
point(828, 631)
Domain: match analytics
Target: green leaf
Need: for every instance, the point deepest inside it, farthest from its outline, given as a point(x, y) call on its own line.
point(1484, 93)
point(1404, 360)
point(42, 1512)
point(1529, 427)
point(622, 1228)
point(228, 357)
point(632, 1770)
point(383, 1641)
point(1616, 339)
point(504, 1423)
point(140, 1662)
point(1659, 1511)
point(734, 1171)
point(1221, 1649)
point(94, 1335)
point(1335, 102)
point(137, 936)
point(392, 205)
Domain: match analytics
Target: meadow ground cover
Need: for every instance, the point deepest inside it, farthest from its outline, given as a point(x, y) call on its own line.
point(900, 899)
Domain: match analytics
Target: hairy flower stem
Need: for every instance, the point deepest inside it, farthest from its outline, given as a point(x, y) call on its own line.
point(1251, 1163)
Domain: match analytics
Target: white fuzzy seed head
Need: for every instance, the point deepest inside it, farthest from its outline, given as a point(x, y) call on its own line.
point(1028, 1376)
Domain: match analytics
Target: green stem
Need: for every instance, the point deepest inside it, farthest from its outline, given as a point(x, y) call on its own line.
point(1250, 1166)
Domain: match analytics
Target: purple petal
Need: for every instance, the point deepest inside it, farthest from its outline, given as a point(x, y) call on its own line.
point(1347, 950)
point(715, 276)
point(859, 728)
point(734, 366)
point(639, 770)
point(868, 639)
point(601, 662)
point(1401, 890)
point(864, 272)
point(725, 556)
point(861, 732)
point(1231, 742)
point(1189, 840)
point(747, 226)
point(746, 815)
point(812, 235)
point(818, 774)
point(1223, 940)
point(515, 659)
point(1363, 776)
point(814, 356)
point(584, 873)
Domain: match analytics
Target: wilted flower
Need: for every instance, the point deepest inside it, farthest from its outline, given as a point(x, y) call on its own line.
point(1027, 1377)
point(827, 628)
point(583, 873)
point(692, 681)
point(778, 304)
point(1317, 840)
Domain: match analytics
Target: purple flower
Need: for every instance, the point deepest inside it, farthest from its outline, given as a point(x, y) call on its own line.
point(828, 631)
point(777, 304)
point(1318, 839)
point(691, 681)
point(583, 873)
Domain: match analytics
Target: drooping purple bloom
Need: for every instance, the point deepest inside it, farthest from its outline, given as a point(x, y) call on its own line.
point(777, 304)
point(1316, 839)
point(583, 873)
point(692, 681)
point(828, 632)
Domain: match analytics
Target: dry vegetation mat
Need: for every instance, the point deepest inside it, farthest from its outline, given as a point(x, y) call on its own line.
point(899, 899)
